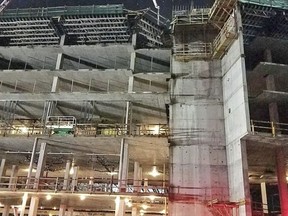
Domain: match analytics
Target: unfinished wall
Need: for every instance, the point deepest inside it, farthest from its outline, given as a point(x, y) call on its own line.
point(198, 169)
point(236, 113)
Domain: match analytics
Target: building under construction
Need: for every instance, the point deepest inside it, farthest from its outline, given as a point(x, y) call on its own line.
point(107, 111)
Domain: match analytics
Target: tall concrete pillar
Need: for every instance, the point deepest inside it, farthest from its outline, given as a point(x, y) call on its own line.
point(39, 173)
point(41, 164)
point(75, 178)
point(62, 209)
point(30, 169)
point(33, 206)
point(24, 202)
point(123, 166)
point(128, 115)
point(6, 210)
point(2, 168)
point(120, 207)
point(264, 198)
point(133, 61)
point(59, 61)
point(67, 175)
point(282, 182)
point(137, 177)
point(13, 177)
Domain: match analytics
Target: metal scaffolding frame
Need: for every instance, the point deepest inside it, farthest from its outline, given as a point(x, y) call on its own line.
point(79, 25)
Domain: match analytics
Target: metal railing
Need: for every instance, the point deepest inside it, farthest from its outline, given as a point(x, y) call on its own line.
point(83, 185)
point(84, 130)
point(197, 49)
point(273, 128)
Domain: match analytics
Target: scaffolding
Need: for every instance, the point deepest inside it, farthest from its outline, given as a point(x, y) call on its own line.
point(78, 25)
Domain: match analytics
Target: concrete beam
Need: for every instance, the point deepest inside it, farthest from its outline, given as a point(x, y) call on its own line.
point(80, 96)
point(155, 60)
point(83, 62)
point(79, 84)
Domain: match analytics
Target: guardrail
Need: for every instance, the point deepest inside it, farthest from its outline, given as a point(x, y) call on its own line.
point(86, 130)
point(197, 49)
point(83, 185)
point(273, 128)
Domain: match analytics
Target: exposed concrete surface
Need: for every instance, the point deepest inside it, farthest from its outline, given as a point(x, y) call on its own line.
point(197, 152)
point(236, 113)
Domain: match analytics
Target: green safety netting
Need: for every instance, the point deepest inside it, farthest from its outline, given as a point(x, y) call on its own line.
point(65, 10)
point(283, 4)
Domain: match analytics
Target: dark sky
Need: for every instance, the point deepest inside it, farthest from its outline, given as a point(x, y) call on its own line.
point(165, 5)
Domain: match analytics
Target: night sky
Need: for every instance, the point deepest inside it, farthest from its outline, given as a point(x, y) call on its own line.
point(165, 5)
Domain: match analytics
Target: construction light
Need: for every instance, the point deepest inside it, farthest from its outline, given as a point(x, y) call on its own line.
point(54, 208)
point(112, 173)
point(48, 197)
point(82, 197)
point(154, 172)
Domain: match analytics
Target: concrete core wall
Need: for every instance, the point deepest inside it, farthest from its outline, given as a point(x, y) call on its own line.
point(236, 113)
point(198, 171)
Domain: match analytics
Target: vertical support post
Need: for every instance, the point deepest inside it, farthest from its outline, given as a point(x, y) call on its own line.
point(136, 180)
point(66, 175)
point(264, 198)
point(134, 40)
point(146, 182)
point(13, 177)
point(29, 175)
point(6, 210)
point(133, 61)
point(75, 178)
point(62, 210)
point(120, 207)
point(33, 206)
point(40, 165)
point(59, 61)
point(281, 176)
point(2, 167)
point(123, 166)
point(62, 40)
point(23, 206)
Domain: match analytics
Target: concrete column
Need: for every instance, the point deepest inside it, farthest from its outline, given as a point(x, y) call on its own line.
point(66, 175)
point(6, 210)
point(33, 206)
point(128, 115)
point(40, 164)
point(134, 40)
point(62, 40)
point(59, 62)
point(54, 84)
point(120, 207)
point(133, 61)
point(134, 211)
point(24, 202)
point(70, 211)
point(2, 167)
point(282, 184)
point(75, 178)
point(30, 169)
point(264, 198)
point(62, 209)
point(123, 166)
point(13, 177)
point(146, 183)
point(137, 180)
